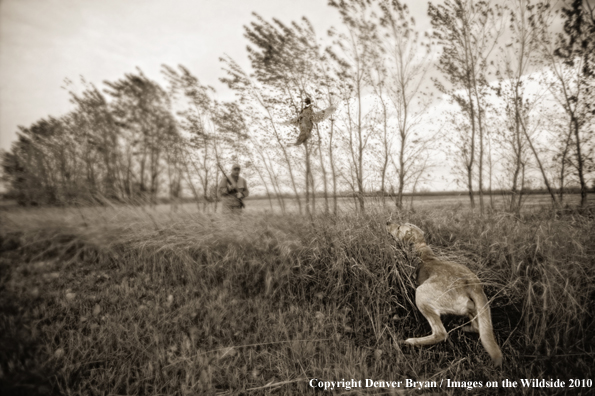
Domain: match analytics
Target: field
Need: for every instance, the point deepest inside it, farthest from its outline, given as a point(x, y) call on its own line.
point(150, 301)
point(427, 201)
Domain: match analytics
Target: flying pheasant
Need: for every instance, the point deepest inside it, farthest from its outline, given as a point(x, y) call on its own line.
point(305, 121)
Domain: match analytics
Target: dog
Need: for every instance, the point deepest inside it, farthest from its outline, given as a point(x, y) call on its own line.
point(445, 287)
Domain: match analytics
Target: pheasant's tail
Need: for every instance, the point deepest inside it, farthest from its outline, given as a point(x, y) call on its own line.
point(293, 121)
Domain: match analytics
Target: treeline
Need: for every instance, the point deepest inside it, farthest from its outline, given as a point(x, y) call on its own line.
point(101, 150)
point(517, 79)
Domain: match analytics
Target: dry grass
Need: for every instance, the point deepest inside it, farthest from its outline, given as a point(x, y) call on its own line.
point(122, 301)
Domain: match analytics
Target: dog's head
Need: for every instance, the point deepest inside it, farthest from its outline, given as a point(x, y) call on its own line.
point(405, 232)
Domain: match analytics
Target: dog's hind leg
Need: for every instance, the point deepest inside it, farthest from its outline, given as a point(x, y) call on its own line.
point(473, 326)
point(438, 330)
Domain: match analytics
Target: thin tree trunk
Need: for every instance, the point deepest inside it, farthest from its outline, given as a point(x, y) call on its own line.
point(323, 169)
point(491, 168)
point(332, 161)
point(472, 153)
point(285, 155)
point(481, 133)
point(563, 165)
point(307, 149)
point(273, 179)
point(360, 175)
point(543, 174)
point(192, 188)
point(579, 161)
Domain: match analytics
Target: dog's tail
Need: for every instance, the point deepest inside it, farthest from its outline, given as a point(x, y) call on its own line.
point(484, 319)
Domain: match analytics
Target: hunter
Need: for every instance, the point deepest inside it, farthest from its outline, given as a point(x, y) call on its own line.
point(233, 189)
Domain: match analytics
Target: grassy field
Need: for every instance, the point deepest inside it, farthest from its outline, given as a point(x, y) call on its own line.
point(105, 301)
point(532, 201)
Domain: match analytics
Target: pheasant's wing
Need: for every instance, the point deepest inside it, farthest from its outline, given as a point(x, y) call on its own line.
point(322, 115)
point(318, 116)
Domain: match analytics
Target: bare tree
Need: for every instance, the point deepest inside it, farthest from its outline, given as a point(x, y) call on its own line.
point(570, 60)
point(468, 32)
point(140, 106)
point(517, 56)
point(355, 62)
point(408, 65)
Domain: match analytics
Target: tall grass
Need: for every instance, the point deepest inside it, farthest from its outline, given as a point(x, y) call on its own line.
point(191, 304)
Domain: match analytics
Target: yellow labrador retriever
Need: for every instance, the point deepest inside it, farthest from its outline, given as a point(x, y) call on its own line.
point(444, 287)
